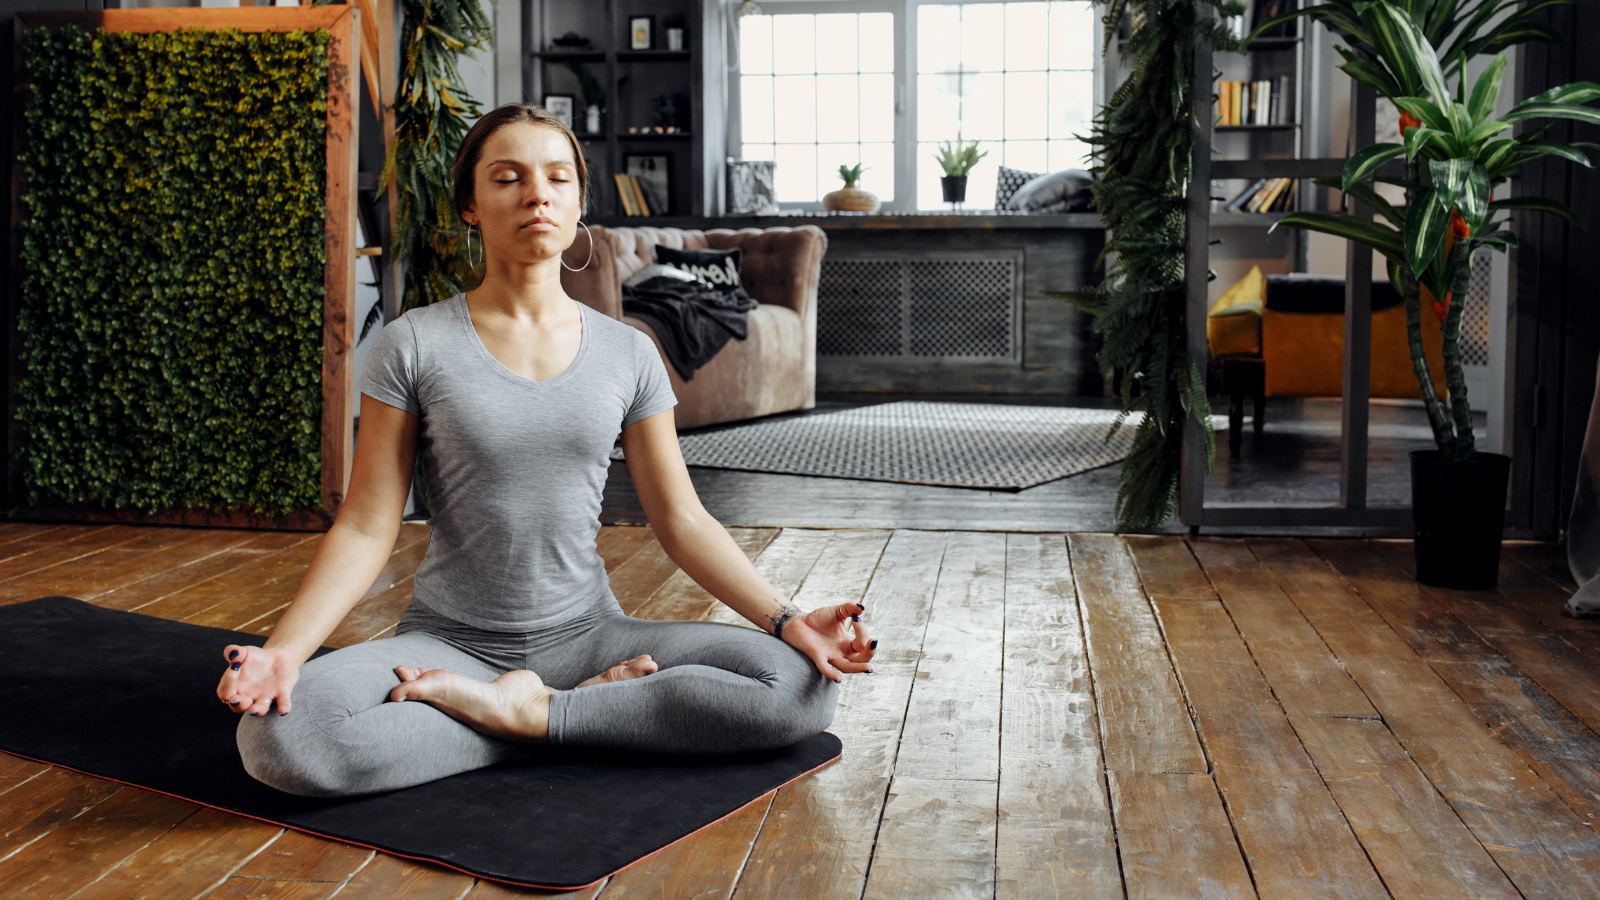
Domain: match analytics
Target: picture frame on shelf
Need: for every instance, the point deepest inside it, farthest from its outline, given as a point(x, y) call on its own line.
point(641, 32)
point(562, 106)
point(653, 171)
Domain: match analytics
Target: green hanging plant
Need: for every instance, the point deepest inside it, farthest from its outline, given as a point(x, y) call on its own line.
point(1143, 149)
point(432, 114)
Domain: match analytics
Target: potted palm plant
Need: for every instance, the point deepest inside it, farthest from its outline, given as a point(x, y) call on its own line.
point(957, 160)
point(1456, 154)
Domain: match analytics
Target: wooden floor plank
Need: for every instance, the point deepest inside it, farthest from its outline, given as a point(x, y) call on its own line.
point(141, 594)
point(1295, 839)
point(11, 532)
point(681, 599)
point(372, 616)
point(617, 544)
point(1534, 838)
point(937, 840)
point(705, 866)
point(90, 577)
point(817, 568)
point(186, 861)
point(39, 805)
point(1168, 569)
point(383, 603)
point(391, 878)
point(1175, 840)
point(819, 833)
point(1055, 837)
point(490, 890)
point(1303, 673)
point(302, 857)
point(28, 557)
point(15, 770)
point(1550, 739)
point(259, 889)
point(1144, 722)
point(642, 575)
point(1414, 838)
point(785, 563)
point(81, 850)
point(240, 595)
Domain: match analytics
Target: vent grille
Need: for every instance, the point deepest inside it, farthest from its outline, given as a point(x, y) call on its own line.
point(966, 309)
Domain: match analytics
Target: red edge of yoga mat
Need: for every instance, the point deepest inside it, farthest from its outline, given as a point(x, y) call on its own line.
point(429, 860)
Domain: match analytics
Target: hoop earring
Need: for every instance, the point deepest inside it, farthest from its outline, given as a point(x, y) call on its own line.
point(591, 252)
point(470, 229)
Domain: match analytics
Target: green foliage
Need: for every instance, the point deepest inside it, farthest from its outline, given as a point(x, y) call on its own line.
point(960, 157)
point(851, 174)
point(1454, 162)
point(593, 94)
point(173, 251)
point(1143, 148)
point(432, 115)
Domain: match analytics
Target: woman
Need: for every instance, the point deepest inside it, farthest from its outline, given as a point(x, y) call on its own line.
point(514, 394)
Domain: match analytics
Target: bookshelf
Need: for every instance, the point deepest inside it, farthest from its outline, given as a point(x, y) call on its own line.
point(1258, 115)
point(631, 81)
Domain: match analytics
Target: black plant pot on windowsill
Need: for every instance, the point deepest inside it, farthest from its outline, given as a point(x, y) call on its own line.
point(1459, 510)
point(955, 188)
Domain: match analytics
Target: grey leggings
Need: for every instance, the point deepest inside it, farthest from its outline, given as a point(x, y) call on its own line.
point(721, 689)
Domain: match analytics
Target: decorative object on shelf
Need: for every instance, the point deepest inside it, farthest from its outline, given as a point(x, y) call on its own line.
point(850, 198)
point(957, 160)
point(672, 23)
point(1454, 162)
point(571, 42)
point(652, 171)
point(561, 106)
point(752, 187)
point(432, 114)
point(1143, 141)
point(594, 97)
point(641, 32)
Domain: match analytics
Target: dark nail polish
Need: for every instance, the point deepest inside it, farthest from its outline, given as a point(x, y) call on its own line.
point(862, 606)
point(855, 618)
point(869, 671)
point(235, 666)
point(283, 714)
point(874, 644)
point(233, 654)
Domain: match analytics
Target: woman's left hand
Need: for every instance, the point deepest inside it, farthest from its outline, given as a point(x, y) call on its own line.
point(834, 638)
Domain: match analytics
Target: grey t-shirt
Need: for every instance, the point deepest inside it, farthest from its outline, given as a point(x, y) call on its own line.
point(515, 468)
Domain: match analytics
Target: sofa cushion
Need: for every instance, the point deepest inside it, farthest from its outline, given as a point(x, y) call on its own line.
point(719, 267)
point(758, 376)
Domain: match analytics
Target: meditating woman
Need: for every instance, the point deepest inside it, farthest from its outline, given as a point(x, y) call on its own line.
point(513, 393)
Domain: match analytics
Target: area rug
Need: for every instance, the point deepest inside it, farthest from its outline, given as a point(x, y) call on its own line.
point(970, 445)
point(131, 698)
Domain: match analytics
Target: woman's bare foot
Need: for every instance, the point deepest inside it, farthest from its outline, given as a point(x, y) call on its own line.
point(513, 707)
point(638, 667)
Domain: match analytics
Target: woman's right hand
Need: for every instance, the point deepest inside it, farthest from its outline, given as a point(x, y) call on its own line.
point(256, 676)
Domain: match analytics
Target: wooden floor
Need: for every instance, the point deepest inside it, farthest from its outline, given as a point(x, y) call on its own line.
point(1053, 715)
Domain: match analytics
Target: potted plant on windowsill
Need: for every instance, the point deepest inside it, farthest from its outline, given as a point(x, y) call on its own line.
point(1455, 154)
point(957, 160)
point(850, 198)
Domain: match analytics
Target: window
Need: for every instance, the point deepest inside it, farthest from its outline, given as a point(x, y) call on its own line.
point(1017, 76)
point(817, 92)
point(823, 84)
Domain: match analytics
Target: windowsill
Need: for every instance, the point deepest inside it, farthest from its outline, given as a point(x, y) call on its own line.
point(889, 220)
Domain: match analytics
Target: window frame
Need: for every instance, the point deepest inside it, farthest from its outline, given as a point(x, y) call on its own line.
point(905, 14)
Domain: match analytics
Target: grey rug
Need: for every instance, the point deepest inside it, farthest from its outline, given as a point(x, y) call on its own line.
point(972, 445)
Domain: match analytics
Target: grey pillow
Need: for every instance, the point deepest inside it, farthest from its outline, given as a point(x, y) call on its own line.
point(1007, 182)
point(1058, 192)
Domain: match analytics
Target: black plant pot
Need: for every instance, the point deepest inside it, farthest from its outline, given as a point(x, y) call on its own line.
point(955, 188)
point(1459, 510)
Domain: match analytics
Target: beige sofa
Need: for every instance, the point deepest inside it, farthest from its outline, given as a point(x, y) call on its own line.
point(774, 369)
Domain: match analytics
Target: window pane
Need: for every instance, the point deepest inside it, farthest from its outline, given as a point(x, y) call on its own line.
point(1027, 105)
point(756, 151)
point(1027, 36)
point(877, 107)
point(983, 37)
point(928, 172)
point(838, 97)
point(877, 42)
point(981, 182)
point(879, 176)
point(1071, 35)
point(795, 108)
point(1029, 156)
point(793, 45)
point(938, 106)
point(755, 45)
point(1071, 103)
point(938, 38)
point(829, 158)
point(796, 174)
point(836, 43)
point(983, 106)
point(1068, 155)
point(755, 107)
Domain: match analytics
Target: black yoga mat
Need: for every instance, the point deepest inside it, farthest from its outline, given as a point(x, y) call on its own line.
point(132, 698)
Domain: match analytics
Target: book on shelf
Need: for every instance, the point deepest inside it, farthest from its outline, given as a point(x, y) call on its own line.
point(1243, 197)
point(1264, 195)
point(635, 202)
point(1260, 102)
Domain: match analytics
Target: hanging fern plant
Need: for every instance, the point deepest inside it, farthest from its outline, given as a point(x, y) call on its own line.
point(432, 115)
point(1143, 146)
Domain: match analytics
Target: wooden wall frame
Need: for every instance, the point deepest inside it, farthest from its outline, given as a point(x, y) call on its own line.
point(343, 24)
